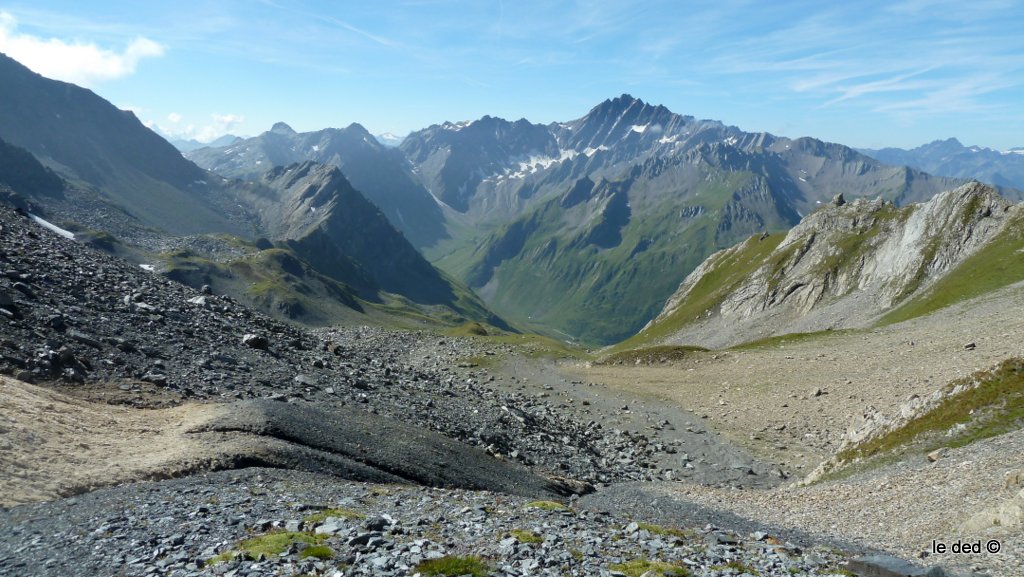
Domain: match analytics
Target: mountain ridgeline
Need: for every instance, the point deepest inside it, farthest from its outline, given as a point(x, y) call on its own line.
point(379, 172)
point(583, 229)
point(579, 229)
point(951, 158)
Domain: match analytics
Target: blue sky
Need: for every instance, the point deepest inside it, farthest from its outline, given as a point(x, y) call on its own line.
point(866, 74)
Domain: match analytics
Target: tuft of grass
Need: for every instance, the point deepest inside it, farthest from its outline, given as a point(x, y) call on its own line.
point(340, 513)
point(652, 355)
point(668, 531)
point(277, 543)
point(321, 552)
point(638, 567)
point(223, 557)
point(994, 407)
point(524, 536)
point(737, 566)
point(547, 506)
point(454, 566)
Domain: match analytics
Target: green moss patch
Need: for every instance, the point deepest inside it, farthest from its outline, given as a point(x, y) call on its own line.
point(638, 567)
point(321, 552)
point(454, 566)
point(338, 513)
point(737, 566)
point(524, 536)
point(666, 531)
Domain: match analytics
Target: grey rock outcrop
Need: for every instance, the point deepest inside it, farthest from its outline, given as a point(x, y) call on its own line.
point(841, 267)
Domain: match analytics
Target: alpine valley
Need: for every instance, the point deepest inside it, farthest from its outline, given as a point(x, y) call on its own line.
point(635, 344)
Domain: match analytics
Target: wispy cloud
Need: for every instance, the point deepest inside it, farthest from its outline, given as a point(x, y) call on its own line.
point(83, 63)
point(917, 57)
point(217, 126)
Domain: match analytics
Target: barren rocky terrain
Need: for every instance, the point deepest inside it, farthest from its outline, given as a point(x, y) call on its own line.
point(690, 463)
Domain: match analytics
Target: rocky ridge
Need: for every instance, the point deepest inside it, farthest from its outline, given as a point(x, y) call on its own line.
point(841, 267)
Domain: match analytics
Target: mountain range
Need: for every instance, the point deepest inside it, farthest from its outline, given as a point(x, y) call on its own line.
point(579, 229)
point(190, 144)
point(951, 158)
point(121, 177)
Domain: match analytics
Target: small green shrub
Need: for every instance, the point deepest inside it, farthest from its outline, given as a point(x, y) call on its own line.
point(453, 566)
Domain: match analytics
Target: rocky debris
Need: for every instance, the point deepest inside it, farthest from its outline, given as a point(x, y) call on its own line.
point(1001, 518)
point(272, 522)
point(838, 199)
point(101, 322)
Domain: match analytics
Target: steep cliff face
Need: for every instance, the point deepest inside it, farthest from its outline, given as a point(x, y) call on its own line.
point(842, 266)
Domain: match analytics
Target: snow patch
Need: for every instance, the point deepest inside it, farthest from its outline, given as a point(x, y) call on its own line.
point(316, 148)
point(52, 227)
point(147, 267)
point(456, 126)
point(731, 141)
point(640, 128)
point(590, 151)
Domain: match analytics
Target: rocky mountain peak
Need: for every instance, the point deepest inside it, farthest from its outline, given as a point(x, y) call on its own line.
point(282, 128)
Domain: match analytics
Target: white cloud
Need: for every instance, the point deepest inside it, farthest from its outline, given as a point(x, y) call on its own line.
point(81, 63)
point(221, 124)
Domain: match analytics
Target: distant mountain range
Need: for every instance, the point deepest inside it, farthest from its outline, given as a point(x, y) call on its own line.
point(579, 229)
point(951, 158)
point(188, 145)
point(584, 228)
